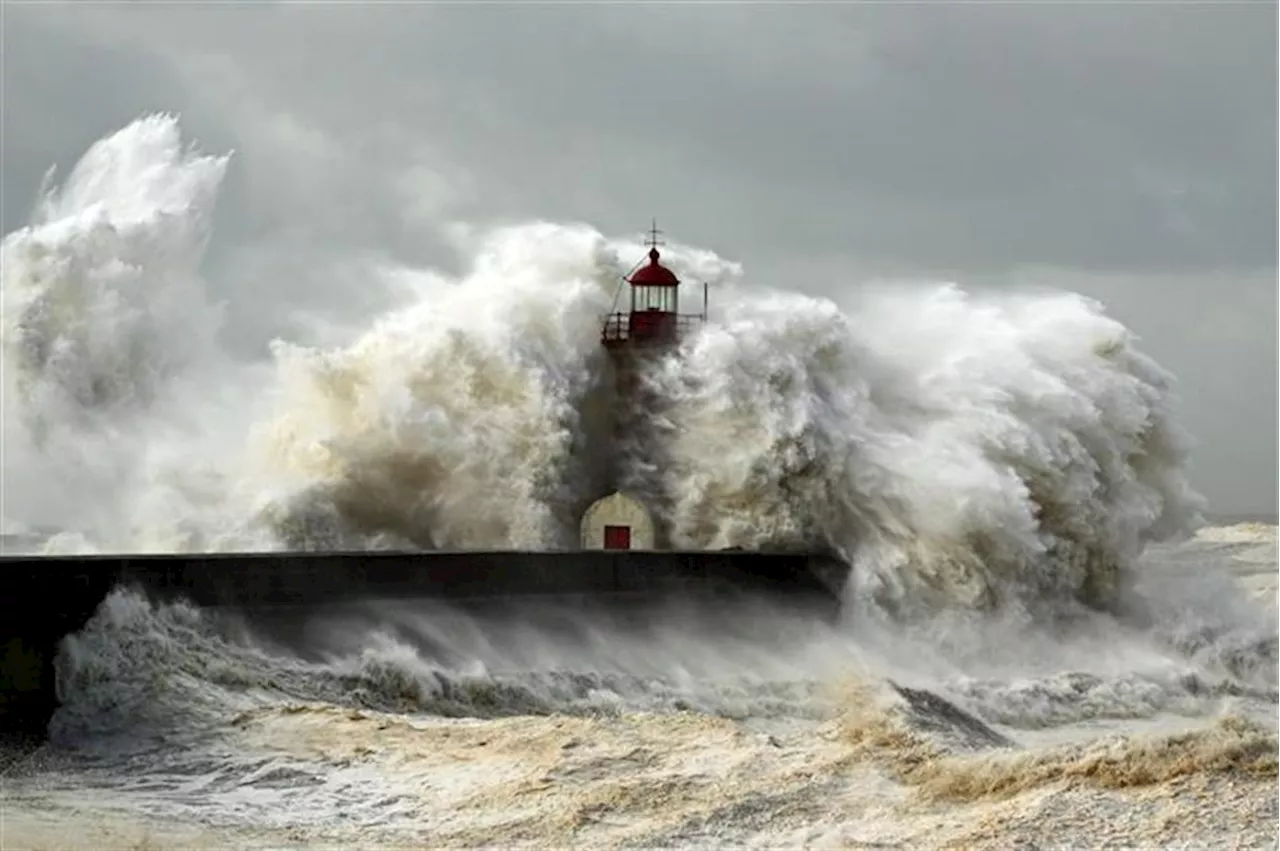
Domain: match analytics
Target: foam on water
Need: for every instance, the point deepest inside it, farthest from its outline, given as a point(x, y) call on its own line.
point(989, 463)
point(416, 724)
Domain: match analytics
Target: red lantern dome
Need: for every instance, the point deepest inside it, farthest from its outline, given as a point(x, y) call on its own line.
point(654, 274)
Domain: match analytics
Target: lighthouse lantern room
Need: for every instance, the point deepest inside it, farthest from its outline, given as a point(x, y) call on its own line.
point(654, 318)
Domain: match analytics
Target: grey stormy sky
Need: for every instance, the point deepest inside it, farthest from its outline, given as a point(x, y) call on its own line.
point(1128, 152)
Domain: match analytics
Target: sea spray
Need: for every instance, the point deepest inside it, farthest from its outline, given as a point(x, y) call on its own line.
point(960, 450)
point(957, 448)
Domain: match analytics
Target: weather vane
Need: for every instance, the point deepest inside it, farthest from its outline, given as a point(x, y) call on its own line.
point(652, 239)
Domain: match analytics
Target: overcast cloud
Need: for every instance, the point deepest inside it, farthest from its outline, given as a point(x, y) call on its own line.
point(1127, 152)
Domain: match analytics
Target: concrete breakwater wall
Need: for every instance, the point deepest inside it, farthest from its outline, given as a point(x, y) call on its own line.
point(47, 597)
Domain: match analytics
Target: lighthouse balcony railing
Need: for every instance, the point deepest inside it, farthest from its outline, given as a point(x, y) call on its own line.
point(617, 326)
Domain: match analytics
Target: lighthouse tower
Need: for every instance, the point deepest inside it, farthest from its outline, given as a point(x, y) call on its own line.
point(635, 339)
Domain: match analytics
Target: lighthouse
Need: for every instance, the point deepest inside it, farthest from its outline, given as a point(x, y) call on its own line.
point(635, 340)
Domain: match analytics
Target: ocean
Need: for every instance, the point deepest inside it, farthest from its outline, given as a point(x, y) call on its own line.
point(1043, 644)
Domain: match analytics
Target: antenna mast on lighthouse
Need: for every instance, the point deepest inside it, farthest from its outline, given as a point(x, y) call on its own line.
point(652, 239)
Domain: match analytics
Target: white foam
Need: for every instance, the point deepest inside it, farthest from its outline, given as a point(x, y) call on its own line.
point(961, 449)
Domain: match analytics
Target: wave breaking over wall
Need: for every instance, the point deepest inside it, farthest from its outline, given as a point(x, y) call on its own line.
point(961, 450)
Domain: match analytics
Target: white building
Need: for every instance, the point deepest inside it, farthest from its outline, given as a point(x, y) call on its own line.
point(617, 522)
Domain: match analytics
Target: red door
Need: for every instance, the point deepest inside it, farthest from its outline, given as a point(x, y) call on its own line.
point(617, 537)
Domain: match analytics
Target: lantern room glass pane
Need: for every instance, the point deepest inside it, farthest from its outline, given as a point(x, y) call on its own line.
point(654, 298)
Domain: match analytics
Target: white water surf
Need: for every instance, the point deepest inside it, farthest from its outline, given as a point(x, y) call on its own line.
point(1003, 471)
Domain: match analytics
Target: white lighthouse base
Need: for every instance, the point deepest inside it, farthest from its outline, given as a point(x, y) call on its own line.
point(603, 524)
